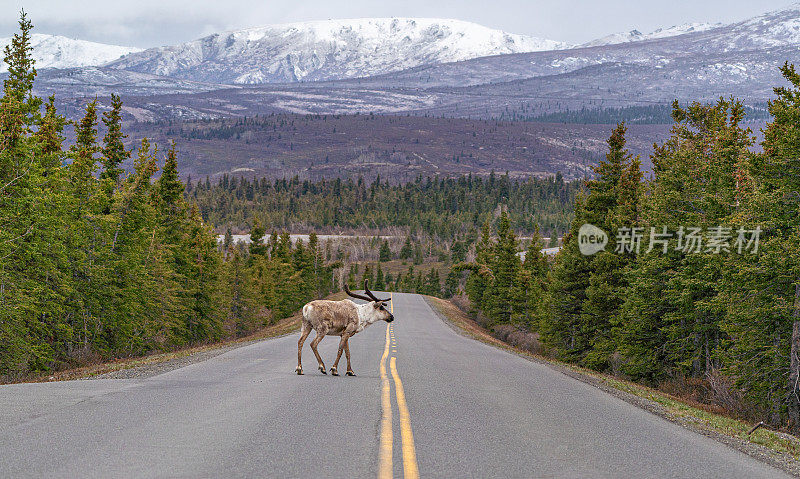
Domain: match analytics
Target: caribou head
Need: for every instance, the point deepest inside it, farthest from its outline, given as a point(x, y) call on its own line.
point(380, 312)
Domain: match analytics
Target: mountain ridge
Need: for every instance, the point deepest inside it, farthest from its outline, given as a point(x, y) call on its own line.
point(327, 49)
point(56, 51)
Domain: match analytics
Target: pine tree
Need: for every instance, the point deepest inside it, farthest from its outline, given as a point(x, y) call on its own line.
point(531, 286)
point(114, 152)
point(433, 283)
point(49, 136)
point(82, 153)
point(170, 187)
point(243, 309)
point(615, 190)
point(480, 275)
point(504, 264)
point(205, 318)
point(367, 275)
point(561, 326)
point(21, 325)
point(380, 285)
point(257, 247)
point(451, 283)
point(458, 252)
point(407, 251)
point(88, 248)
point(670, 321)
point(587, 291)
point(762, 293)
point(132, 308)
point(385, 252)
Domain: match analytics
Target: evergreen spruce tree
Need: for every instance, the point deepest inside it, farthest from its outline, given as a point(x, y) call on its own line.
point(243, 310)
point(380, 284)
point(670, 321)
point(762, 290)
point(500, 298)
point(451, 283)
point(407, 251)
point(615, 190)
point(114, 152)
point(367, 275)
point(21, 326)
point(531, 286)
point(561, 326)
point(257, 247)
point(587, 291)
point(480, 276)
point(385, 252)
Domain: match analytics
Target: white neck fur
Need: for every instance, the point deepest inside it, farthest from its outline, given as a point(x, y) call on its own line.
point(366, 315)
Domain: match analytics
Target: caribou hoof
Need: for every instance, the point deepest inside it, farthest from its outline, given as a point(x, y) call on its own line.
point(299, 371)
point(322, 370)
point(334, 372)
point(350, 373)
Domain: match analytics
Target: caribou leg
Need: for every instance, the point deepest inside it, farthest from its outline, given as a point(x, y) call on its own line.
point(342, 343)
point(347, 355)
point(314, 343)
point(304, 332)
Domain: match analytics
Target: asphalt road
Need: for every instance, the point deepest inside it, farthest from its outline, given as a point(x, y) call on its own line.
point(475, 411)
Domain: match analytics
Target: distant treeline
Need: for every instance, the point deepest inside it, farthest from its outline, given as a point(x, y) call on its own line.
point(632, 115)
point(436, 206)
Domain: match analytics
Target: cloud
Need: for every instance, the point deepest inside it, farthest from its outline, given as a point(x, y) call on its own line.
point(143, 23)
point(146, 23)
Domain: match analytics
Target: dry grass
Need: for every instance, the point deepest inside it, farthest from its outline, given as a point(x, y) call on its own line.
point(519, 338)
point(684, 410)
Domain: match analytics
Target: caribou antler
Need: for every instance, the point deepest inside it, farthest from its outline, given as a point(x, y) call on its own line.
point(369, 293)
point(357, 296)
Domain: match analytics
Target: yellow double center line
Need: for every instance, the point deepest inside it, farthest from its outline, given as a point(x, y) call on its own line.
point(410, 468)
point(385, 467)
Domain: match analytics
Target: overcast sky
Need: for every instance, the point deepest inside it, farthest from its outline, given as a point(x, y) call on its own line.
point(147, 23)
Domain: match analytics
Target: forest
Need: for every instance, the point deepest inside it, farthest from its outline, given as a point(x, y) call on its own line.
point(718, 317)
point(96, 263)
point(443, 207)
point(632, 115)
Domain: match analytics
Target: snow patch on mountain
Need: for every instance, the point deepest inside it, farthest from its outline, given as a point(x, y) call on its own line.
point(54, 51)
point(776, 28)
point(330, 49)
point(637, 36)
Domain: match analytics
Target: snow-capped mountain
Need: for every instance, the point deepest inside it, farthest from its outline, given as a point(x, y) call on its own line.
point(332, 49)
point(691, 62)
point(772, 29)
point(637, 36)
point(54, 51)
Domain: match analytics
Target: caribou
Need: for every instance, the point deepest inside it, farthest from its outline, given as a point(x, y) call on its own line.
point(339, 318)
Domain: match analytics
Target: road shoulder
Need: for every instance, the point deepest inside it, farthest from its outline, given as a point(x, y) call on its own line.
point(152, 365)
